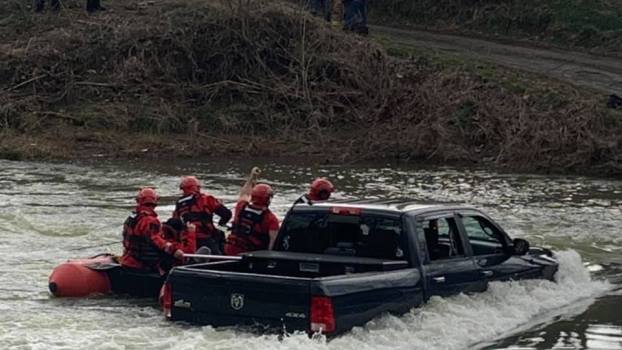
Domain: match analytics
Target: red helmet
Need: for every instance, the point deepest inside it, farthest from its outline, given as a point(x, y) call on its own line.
point(189, 184)
point(147, 196)
point(261, 195)
point(321, 189)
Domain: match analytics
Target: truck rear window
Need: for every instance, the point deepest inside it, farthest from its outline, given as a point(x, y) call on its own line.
point(354, 235)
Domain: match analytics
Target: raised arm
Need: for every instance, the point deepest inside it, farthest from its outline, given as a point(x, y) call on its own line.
point(245, 191)
point(273, 229)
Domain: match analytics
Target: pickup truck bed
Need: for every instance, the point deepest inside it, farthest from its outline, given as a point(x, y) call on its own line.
point(293, 291)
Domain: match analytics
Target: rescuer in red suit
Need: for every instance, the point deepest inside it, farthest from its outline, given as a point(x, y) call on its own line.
point(182, 237)
point(143, 243)
point(198, 209)
point(320, 190)
point(255, 227)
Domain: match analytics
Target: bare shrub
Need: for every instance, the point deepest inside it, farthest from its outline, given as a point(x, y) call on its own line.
point(274, 74)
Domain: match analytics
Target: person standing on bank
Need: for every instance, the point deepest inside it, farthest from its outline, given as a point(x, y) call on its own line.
point(355, 16)
point(255, 226)
point(321, 8)
point(199, 208)
point(40, 5)
point(94, 5)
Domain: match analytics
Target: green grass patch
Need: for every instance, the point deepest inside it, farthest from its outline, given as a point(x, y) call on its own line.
point(578, 15)
point(549, 94)
point(513, 81)
point(576, 23)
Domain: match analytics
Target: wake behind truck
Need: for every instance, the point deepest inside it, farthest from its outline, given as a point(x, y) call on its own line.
point(339, 264)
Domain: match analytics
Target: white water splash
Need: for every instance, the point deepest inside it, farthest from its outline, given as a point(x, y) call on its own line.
point(444, 323)
point(457, 322)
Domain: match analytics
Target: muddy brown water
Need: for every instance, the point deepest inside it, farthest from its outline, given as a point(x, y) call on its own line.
point(51, 212)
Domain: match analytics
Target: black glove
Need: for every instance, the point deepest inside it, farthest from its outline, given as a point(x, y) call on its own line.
point(224, 213)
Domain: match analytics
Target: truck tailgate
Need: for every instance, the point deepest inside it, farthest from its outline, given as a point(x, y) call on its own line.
point(228, 298)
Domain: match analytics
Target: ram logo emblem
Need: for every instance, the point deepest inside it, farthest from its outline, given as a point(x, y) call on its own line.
point(237, 301)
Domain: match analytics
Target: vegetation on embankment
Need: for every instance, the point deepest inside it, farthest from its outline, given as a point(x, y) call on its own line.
point(586, 24)
point(194, 78)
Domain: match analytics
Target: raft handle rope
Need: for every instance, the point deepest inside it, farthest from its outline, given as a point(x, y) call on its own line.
point(213, 257)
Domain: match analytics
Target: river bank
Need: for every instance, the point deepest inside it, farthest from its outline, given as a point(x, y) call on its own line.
point(189, 79)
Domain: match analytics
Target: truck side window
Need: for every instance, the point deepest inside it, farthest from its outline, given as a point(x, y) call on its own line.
point(441, 238)
point(381, 238)
point(484, 237)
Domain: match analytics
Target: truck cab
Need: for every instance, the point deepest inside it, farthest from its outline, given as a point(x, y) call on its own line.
point(459, 248)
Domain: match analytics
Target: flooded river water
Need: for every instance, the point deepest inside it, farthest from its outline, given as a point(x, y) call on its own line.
point(51, 212)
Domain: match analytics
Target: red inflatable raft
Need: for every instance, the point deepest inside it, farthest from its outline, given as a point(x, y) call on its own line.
point(80, 278)
point(101, 275)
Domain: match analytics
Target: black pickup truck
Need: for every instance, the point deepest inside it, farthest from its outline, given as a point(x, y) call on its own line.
point(339, 264)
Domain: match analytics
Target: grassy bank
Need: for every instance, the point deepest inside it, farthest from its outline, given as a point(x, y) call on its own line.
point(189, 78)
point(586, 24)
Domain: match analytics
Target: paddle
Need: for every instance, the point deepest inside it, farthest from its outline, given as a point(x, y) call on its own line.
point(106, 262)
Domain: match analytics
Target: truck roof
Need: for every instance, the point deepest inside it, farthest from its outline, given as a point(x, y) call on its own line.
point(390, 205)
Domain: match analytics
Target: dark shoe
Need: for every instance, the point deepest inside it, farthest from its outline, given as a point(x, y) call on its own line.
point(92, 5)
point(615, 102)
point(362, 31)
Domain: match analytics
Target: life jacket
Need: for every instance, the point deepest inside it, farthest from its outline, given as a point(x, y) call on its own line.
point(190, 210)
point(304, 199)
point(247, 232)
point(136, 244)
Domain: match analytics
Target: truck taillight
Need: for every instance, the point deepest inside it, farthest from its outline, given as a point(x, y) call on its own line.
point(345, 211)
point(322, 315)
point(166, 299)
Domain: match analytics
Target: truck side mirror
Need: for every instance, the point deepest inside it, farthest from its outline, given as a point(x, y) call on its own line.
point(520, 246)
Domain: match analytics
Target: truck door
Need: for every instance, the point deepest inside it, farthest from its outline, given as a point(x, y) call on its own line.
point(448, 266)
point(489, 245)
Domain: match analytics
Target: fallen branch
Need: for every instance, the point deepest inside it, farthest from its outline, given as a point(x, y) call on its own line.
point(90, 83)
point(60, 116)
point(26, 82)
